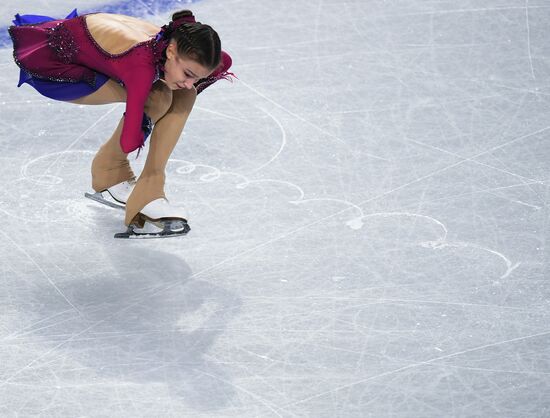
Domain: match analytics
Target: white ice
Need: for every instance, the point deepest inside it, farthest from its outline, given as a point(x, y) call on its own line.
point(369, 205)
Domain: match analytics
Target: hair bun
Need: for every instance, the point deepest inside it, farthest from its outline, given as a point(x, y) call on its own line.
point(182, 13)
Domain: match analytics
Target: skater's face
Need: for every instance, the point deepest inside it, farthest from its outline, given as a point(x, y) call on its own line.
point(180, 71)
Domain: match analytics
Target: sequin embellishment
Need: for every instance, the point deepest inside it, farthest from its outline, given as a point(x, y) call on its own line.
point(62, 42)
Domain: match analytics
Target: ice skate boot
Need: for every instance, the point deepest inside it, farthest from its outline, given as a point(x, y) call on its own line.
point(158, 219)
point(115, 196)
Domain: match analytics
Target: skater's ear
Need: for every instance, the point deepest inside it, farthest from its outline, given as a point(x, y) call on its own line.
point(171, 50)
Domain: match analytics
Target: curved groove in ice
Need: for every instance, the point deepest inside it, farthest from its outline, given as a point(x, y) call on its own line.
point(509, 266)
point(215, 174)
point(352, 224)
point(283, 142)
point(245, 184)
point(440, 242)
point(54, 180)
point(409, 215)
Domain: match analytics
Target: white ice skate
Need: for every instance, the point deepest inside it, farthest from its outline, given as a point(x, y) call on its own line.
point(158, 219)
point(115, 196)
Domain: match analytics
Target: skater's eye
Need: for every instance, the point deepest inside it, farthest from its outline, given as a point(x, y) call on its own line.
point(189, 74)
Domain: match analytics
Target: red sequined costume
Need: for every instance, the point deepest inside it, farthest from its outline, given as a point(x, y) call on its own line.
point(64, 51)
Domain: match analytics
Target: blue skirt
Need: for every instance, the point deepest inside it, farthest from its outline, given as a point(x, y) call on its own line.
point(56, 90)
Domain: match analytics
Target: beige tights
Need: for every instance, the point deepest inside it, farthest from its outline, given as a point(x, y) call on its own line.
point(166, 132)
point(169, 111)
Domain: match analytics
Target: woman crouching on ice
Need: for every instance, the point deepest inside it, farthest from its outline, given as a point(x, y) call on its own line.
point(103, 58)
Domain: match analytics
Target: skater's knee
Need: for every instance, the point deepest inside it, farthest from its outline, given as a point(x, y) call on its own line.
point(159, 101)
point(183, 100)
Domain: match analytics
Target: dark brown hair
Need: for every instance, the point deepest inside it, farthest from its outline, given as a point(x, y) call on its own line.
point(196, 40)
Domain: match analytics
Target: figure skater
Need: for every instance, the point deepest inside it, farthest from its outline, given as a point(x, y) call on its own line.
point(102, 58)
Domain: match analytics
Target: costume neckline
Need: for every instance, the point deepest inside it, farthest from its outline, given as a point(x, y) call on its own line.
point(82, 19)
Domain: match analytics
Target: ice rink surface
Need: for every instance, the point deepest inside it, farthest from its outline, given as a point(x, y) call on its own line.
point(370, 213)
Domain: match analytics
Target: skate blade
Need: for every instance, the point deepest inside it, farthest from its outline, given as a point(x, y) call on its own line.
point(98, 197)
point(173, 228)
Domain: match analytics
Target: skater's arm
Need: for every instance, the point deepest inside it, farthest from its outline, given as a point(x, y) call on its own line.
point(138, 85)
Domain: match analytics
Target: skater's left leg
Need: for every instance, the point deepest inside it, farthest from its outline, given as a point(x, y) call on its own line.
point(110, 165)
point(165, 135)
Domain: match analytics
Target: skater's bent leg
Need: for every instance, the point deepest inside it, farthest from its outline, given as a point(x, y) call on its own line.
point(110, 165)
point(110, 92)
point(165, 135)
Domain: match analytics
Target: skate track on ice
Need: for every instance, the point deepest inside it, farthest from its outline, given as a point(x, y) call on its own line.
point(369, 213)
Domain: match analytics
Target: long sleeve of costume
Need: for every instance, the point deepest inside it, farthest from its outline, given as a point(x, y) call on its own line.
point(138, 85)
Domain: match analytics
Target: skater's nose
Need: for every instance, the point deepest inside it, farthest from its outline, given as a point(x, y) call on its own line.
point(188, 83)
